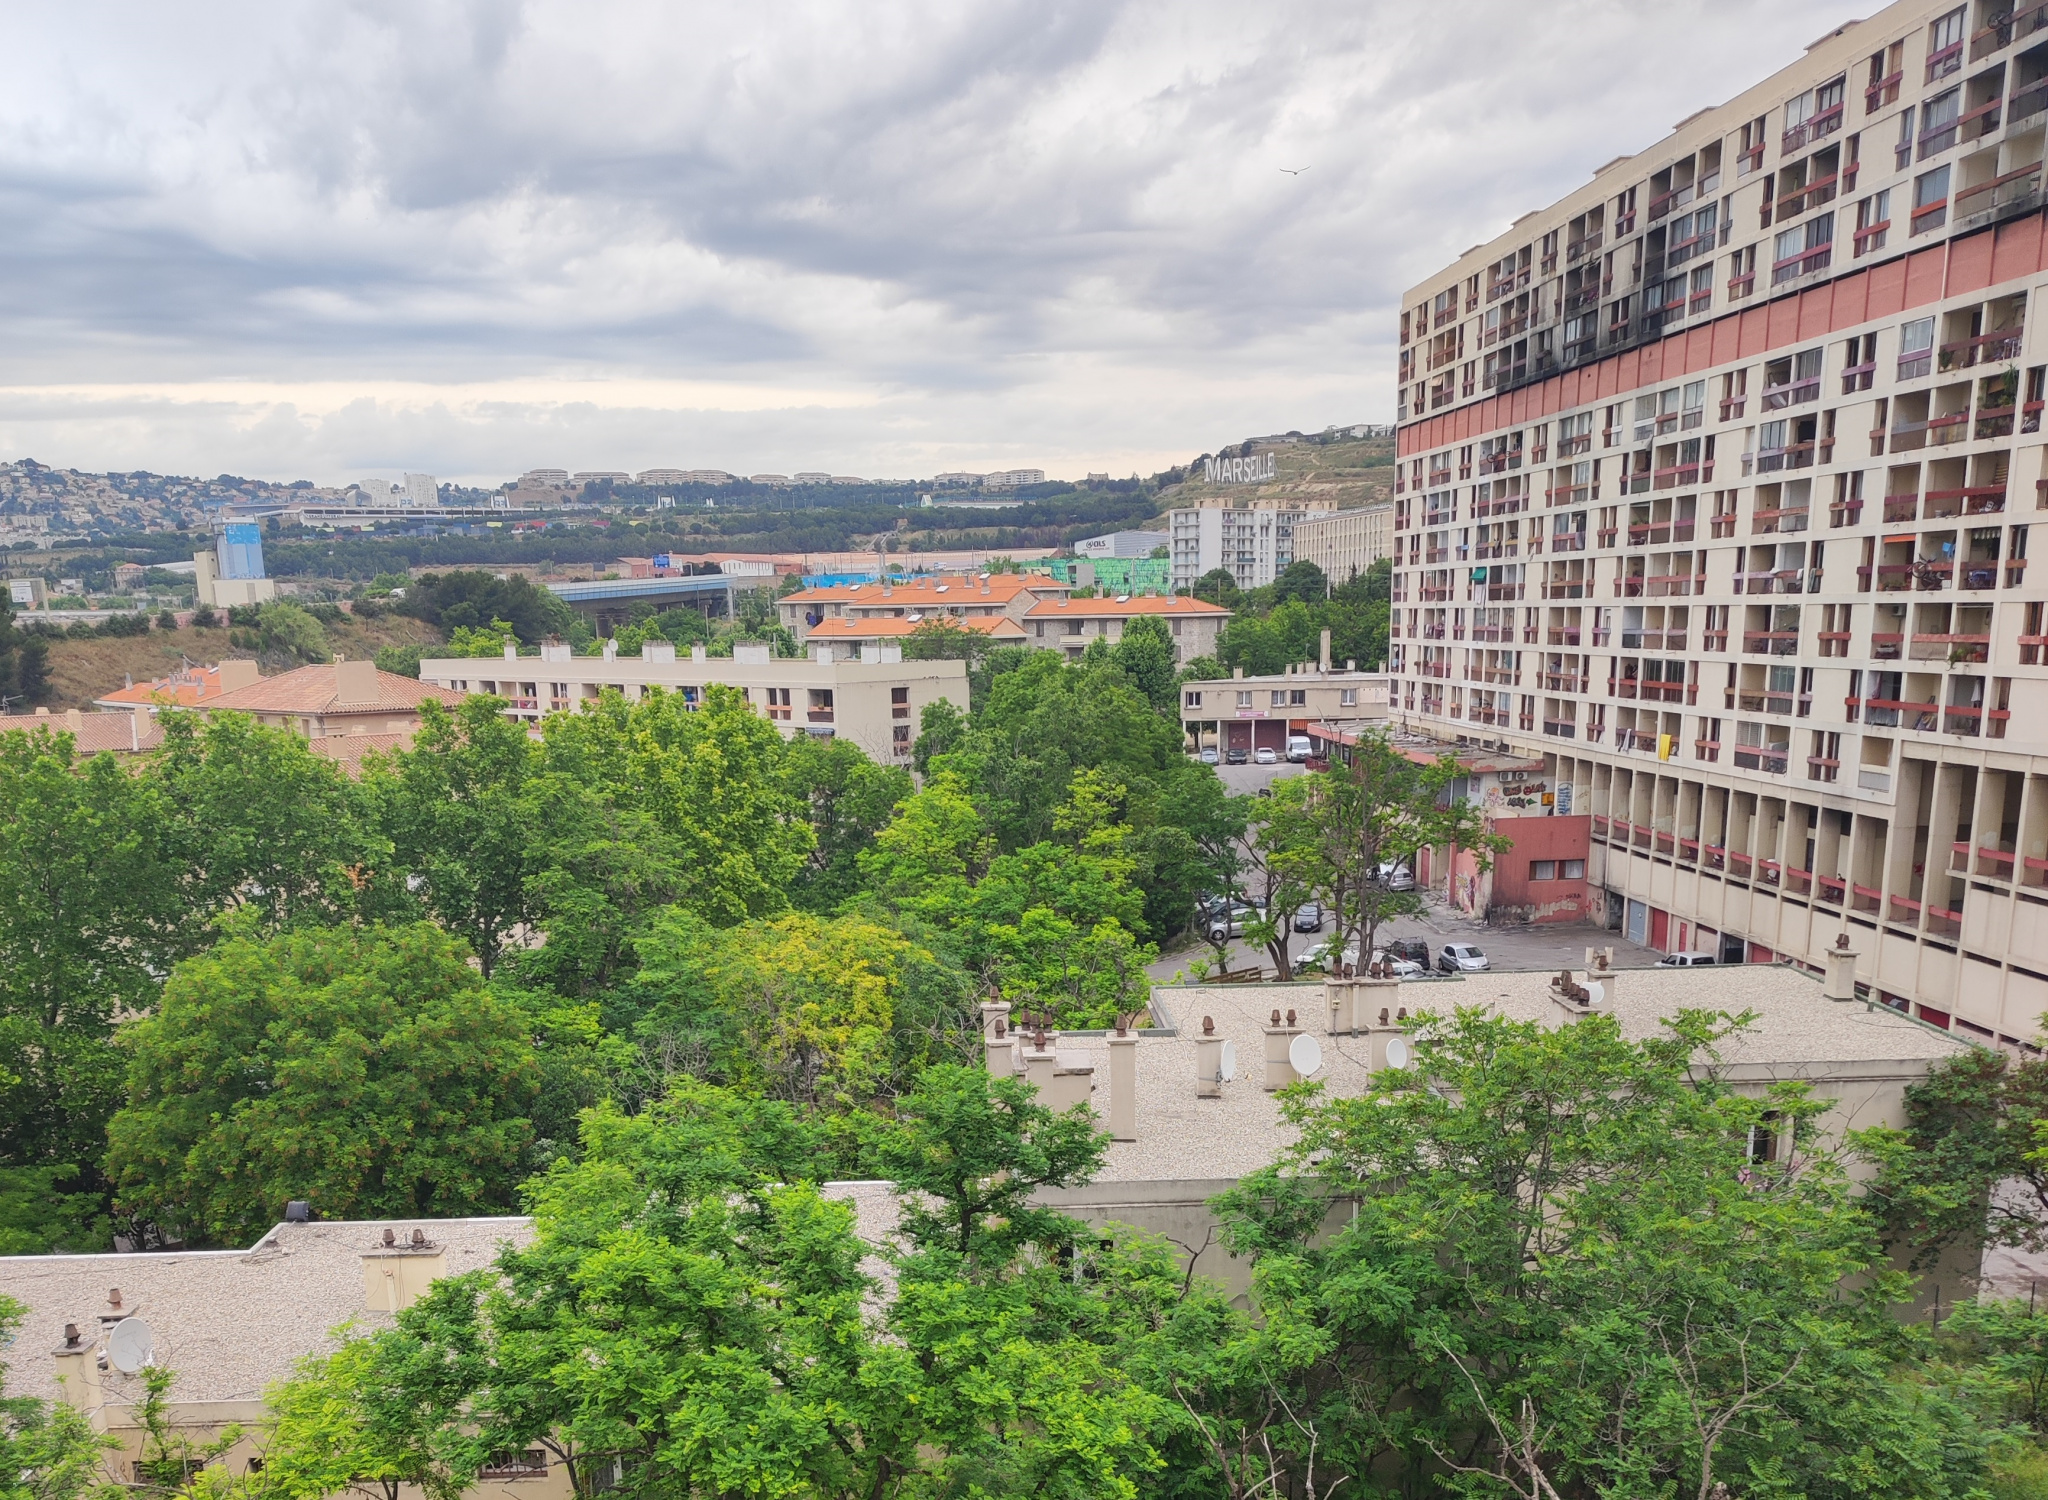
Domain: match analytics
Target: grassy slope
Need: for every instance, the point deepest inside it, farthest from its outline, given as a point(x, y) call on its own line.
point(1337, 476)
point(81, 671)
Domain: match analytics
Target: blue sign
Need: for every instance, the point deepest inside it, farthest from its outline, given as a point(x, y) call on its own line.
point(240, 550)
point(661, 559)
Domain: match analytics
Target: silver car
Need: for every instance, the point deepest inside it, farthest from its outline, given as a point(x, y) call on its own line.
point(1461, 958)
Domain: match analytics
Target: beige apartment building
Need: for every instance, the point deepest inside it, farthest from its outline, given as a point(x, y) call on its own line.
point(869, 695)
point(1064, 624)
point(1261, 712)
point(1716, 480)
point(1345, 543)
point(1253, 540)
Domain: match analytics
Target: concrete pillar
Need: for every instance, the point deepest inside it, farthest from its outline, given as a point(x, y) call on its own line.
point(78, 1367)
point(1123, 1088)
point(1038, 1071)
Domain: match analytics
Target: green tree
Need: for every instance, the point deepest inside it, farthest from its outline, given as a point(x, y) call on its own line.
point(454, 807)
point(1218, 586)
point(1373, 811)
point(1147, 656)
point(1302, 581)
point(365, 1069)
point(91, 914)
point(850, 799)
point(286, 630)
point(49, 1450)
point(1562, 1264)
point(403, 661)
point(709, 777)
point(259, 822)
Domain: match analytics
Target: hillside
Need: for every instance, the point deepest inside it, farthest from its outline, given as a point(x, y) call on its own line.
point(82, 670)
point(1338, 475)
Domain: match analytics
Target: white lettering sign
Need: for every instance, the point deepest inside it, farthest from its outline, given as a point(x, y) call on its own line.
point(1240, 470)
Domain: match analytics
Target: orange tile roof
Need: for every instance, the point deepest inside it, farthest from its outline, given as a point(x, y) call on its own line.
point(1001, 587)
point(1001, 627)
point(122, 733)
point(1137, 604)
point(186, 688)
point(313, 690)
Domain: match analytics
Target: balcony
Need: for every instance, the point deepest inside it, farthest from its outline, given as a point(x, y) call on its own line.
point(1887, 645)
point(1902, 507)
point(1973, 500)
point(1822, 125)
point(1792, 393)
point(1770, 758)
point(1988, 349)
point(1770, 642)
point(1773, 522)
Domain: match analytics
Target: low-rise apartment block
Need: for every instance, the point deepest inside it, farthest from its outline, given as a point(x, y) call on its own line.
point(956, 597)
point(872, 697)
point(1716, 487)
point(1262, 712)
point(1068, 624)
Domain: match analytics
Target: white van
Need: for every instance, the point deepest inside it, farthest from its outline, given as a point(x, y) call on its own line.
point(1298, 747)
point(1686, 961)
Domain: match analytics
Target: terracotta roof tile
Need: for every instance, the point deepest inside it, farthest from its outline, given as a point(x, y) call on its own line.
point(1137, 604)
point(314, 690)
point(92, 733)
point(1001, 627)
point(1001, 586)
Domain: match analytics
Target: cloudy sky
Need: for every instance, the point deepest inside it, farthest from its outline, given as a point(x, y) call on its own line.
point(880, 237)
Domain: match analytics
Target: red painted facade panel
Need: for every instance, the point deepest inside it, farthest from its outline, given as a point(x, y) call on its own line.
point(1955, 268)
point(1926, 272)
point(1516, 897)
point(1887, 289)
point(1969, 265)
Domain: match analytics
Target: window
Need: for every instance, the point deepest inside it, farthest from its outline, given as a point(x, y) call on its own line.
point(1945, 45)
point(1279, 698)
point(1347, 697)
point(1939, 119)
point(1903, 152)
point(1297, 698)
point(1192, 700)
point(1930, 200)
point(1571, 869)
point(1916, 348)
point(1543, 869)
point(1244, 700)
point(1873, 218)
point(1803, 249)
point(1742, 273)
point(899, 735)
point(1887, 67)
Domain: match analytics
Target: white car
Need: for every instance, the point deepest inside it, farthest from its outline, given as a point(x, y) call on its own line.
point(1400, 968)
point(1267, 756)
point(1461, 958)
point(1396, 876)
point(1686, 961)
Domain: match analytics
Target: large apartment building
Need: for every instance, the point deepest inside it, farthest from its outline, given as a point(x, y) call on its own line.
point(1715, 487)
point(1253, 541)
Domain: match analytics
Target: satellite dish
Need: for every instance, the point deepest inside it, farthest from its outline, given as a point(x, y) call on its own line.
point(130, 1346)
point(1397, 1052)
point(1596, 993)
point(1305, 1055)
point(1227, 1068)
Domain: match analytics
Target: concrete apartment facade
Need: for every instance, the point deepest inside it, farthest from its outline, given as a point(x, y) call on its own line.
point(1715, 487)
point(870, 696)
point(1255, 541)
point(1345, 543)
point(1065, 624)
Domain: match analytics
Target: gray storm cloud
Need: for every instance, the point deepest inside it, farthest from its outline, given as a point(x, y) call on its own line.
point(318, 239)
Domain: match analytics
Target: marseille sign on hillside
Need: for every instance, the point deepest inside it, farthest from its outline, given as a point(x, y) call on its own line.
point(1239, 470)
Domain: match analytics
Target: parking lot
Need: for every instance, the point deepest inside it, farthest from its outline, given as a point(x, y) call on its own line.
point(1537, 949)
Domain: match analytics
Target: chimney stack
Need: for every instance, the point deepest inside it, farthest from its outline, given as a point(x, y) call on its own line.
point(1841, 973)
point(1123, 1080)
point(1324, 657)
point(355, 683)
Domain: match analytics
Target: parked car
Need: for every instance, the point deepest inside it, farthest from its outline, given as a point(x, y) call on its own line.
point(1414, 950)
point(1400, 968)
point(1298, 747)
point(1266, 755)
point(1686, 960)
point(1235, 756)
point(1461, 958)
point(1396, 876)
point(1309, 918)
point(1231, 923)
point(1210, 756)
